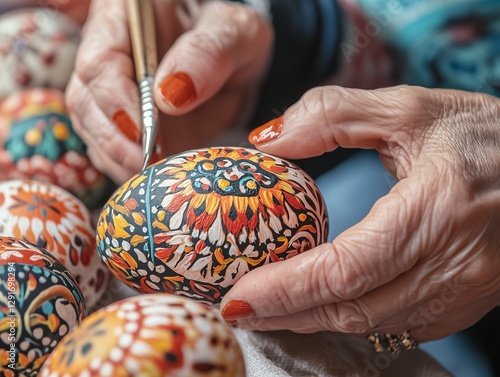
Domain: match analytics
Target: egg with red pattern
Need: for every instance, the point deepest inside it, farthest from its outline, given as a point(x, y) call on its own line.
point(37, 141)
point(37, 49)
point(196, 222)
point(55, 220)
point(149, 335)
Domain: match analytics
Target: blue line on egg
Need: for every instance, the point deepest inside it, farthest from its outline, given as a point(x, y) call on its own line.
point(148, 216)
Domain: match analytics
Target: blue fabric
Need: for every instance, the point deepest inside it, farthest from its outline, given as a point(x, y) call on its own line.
point(427, 37)
point(351, 189)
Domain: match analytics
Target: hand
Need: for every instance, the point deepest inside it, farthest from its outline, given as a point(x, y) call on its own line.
point(215, 55)
point(426, 257)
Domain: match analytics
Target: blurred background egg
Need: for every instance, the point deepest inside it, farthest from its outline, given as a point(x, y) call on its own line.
point(37, 141)
point(149, 335)
point(39, 304)
point(196, 222)
point(37, 49)
point(52, 218)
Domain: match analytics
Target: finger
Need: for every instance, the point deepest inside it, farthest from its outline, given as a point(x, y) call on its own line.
point(358, 261)
point(328, 117)
point(107, 149)
point(226, 39)
point(102, 94)
point(391, 308)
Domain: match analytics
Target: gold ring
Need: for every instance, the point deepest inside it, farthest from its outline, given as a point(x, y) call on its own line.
point(392, 343)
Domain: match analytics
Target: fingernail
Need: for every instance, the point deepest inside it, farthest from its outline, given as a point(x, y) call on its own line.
point(126, 125)
point(235, 310)
point(178, 90)
point(267, 132)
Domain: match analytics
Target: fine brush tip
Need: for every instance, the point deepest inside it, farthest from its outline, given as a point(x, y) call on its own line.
point(147, 156)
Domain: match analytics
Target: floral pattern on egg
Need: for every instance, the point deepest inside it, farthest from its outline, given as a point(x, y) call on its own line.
point(38, 142)
point(193, 224)
point(149, 335)
point(37, 49)
point(40, 303)
point(52, 218)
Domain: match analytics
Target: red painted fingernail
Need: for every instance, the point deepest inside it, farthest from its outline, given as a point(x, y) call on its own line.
point(126, 125)
point(178, 90)
point(235, 310)
point(267, 132)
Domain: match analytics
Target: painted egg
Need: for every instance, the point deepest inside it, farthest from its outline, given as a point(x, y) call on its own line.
point(38, 142)
point(196, 222)
point(39, 304)
point(37, 49)
point(52, 218)
point(149, 335)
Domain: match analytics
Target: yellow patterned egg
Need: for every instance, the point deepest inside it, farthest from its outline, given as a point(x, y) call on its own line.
point(196, 222)
point(150, 335)
point(52, 218)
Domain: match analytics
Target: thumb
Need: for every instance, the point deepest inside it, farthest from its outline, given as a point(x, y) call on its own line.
point(302, 292)
point(229, 43)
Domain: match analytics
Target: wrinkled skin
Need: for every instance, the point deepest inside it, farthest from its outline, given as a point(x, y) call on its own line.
point(224, 47)
point(427, 256)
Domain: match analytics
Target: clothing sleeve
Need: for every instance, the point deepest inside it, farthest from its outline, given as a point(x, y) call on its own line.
point(307, 33)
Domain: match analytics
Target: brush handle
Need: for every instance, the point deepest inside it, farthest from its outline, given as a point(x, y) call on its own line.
point(142, 29)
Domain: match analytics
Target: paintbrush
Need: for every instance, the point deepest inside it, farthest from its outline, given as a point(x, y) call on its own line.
point(141, 20)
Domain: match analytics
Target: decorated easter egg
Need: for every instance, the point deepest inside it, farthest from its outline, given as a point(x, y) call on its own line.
point(52, 218)
point(38, 142)
point(37, 49)
point(40, 303)
point(196, 222)
point(149, 335)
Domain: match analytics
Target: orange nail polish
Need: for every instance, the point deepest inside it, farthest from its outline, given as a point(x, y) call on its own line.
point(178, 89)
point(267, 132)
point(126, 125)
point(235, 310)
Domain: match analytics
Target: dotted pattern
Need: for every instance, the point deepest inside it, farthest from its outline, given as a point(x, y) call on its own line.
point(149, 335)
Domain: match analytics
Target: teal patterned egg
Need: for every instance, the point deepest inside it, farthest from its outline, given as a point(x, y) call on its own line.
point(37, 141)
point(40, 303)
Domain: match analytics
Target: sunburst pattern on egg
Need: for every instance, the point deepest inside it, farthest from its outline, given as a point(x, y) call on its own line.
point(193, 224)
point(149, 335)
point(40, 303)
point(52, 218)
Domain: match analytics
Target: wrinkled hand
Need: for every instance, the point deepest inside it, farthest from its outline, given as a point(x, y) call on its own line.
point(214, 56)
point(427, 256)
